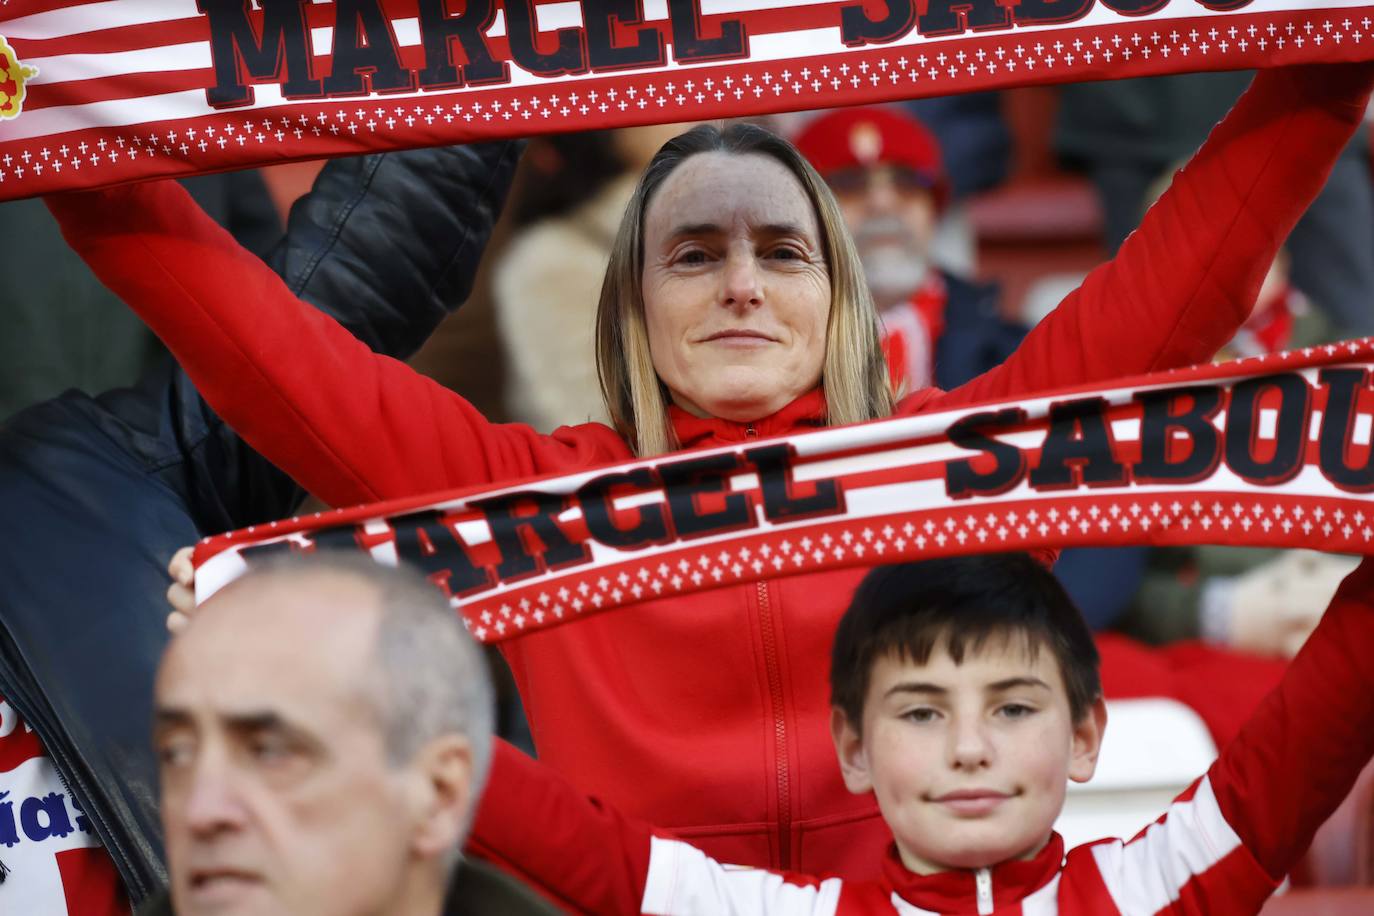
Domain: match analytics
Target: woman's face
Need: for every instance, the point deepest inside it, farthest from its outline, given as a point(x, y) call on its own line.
point(736, 287)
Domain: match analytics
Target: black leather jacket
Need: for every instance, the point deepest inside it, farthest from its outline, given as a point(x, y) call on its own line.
point(96, 493)
point(477, 889)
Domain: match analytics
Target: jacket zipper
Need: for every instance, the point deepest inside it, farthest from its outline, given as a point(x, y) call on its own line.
point(983, 879)
point(773, 667)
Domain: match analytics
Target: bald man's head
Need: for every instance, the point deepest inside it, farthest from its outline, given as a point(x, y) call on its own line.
point(322, 724)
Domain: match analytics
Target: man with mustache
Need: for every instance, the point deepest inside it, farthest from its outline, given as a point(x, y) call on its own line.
point(885, 169)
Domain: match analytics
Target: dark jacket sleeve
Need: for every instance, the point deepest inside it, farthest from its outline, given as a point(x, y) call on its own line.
point(240, 202)
point(388, 244)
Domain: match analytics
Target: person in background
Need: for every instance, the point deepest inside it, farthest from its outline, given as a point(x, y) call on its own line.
point(548, 280)
point(323, 727)
point(1282, 319)
point(885, 170)
point(976, 146)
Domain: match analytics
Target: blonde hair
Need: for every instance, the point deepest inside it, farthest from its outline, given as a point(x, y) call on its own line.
point(854, 374)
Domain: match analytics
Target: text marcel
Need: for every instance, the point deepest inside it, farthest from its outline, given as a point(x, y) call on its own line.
point(268, 41)
point(530, 534)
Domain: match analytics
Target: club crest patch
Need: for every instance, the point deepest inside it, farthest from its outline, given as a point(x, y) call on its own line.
point(14, 74)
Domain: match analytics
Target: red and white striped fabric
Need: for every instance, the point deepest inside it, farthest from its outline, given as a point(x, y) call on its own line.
point(1191, 845)
point(1248, 453)
point(52, 862)
point(95, 92)
point(1190, 861)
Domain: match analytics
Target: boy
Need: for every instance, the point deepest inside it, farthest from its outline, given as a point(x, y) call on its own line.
point(965, 696)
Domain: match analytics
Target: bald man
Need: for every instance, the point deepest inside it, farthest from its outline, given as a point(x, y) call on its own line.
point(323, 726)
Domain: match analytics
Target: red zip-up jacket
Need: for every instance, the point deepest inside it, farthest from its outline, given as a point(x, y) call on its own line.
point(720, 691)
point(1220, 849)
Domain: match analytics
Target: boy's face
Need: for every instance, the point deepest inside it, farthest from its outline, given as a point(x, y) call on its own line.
point(969, 762)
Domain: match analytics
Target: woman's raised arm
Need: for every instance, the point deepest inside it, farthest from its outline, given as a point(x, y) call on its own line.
point(349, 425)
point(1185, 281)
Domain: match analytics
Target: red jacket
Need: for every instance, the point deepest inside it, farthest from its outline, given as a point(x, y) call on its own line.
point(723, 691)
point(1220, 849)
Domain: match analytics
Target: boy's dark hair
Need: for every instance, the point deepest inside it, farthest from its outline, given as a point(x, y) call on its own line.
point(959, 603)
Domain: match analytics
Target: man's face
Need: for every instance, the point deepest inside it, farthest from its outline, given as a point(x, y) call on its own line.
point(891, 213)
point(969, 762)
point(277, 796)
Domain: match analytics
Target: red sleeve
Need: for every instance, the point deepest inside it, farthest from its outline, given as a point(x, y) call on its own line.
point(1297, 757)
point(1186, 279)
point(538, 827)
point(349, 425)
point(588, 858)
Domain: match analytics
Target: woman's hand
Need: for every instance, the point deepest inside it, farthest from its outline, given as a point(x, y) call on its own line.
point(181, 594)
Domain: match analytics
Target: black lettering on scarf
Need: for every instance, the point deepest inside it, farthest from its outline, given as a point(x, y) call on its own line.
point(600, 18)
point(857, 27)
point(568, 56)
point(438, 29)
point(690, 45)
point(1242, 434)
point(364, 42)
point(950, 17)
point(962, 479)
point(781, 501)
point(280, 55)
point(425, 542)
point(1187, 410)
point(1338, 424)
point(595, 497)
point(527, 533)
point(1077, 449)
point(694, 485)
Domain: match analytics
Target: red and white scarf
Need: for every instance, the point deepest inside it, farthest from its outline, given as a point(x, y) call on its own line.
point(97, 92)
point(1273, 451)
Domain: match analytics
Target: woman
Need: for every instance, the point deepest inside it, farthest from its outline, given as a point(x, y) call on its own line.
point(733, 308)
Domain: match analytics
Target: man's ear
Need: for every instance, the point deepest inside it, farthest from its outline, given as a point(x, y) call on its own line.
point(1087, 742)
point(443, 770)
point(849, 747)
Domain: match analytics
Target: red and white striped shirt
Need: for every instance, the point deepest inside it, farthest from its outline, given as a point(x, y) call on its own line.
point(54, 865)
point(1221, 848)
point(1190, 860)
